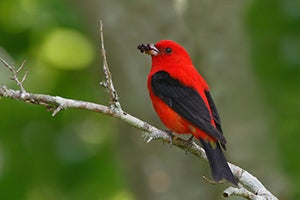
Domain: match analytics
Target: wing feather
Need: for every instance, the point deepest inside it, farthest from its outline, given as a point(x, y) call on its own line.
point(187, 102)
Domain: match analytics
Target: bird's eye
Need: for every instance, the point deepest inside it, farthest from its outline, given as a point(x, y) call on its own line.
point(168, 50)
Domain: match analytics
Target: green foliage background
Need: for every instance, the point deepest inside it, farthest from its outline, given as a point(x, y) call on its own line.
point(274, 29)
point(250, 56)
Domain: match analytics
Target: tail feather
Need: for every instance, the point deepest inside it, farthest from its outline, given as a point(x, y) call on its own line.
point(217, 162)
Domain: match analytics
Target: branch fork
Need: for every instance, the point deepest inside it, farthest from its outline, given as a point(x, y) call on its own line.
point(15, 73)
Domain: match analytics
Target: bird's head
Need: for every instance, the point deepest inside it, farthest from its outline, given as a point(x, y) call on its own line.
point(166, 51)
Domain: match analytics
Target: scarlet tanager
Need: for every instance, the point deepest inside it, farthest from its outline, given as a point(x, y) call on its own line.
point(182, 100)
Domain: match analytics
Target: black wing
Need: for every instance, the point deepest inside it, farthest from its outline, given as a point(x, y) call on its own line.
point(214, 111)
point(186, 101)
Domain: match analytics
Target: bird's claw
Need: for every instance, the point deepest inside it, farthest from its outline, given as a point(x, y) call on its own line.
point(190, 140)
point(170, 134)
point(189, 143)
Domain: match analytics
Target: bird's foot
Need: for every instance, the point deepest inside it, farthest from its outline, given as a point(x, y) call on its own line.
point(170, 134)
point(190, 140)
point(189, 143)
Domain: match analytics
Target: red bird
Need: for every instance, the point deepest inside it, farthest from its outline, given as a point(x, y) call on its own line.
point(182, 100)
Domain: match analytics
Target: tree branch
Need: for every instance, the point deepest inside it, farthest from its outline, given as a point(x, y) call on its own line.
point(108, 83)
point(249, 186)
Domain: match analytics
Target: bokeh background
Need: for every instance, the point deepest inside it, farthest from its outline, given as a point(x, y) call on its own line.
point(249, 52)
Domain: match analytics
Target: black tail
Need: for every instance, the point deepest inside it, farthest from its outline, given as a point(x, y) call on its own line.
point(217, 162)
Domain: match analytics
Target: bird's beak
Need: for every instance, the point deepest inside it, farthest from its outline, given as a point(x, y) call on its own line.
point(149, 49)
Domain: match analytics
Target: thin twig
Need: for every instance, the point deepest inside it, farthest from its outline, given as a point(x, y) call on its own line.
point(15, 74)
point(108, 84)
point(212, 181)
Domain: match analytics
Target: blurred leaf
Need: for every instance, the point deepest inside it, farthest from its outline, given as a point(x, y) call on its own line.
point(67, 49)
